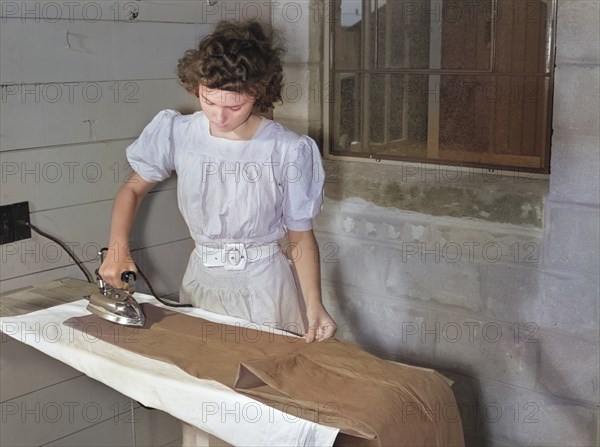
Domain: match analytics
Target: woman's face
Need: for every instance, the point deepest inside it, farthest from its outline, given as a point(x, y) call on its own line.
point(227, 112)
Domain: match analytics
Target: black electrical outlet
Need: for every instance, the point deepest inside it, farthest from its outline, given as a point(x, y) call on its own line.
point(10, 229)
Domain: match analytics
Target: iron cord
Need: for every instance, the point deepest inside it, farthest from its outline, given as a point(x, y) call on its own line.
point(155, 295)
point(64, 247)
point(85, 271)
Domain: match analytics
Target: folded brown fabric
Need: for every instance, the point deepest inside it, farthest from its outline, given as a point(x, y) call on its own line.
point(332, 382)
point(391, 403)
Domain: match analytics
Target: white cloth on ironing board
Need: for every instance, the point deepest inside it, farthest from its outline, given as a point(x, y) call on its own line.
point(162, 385)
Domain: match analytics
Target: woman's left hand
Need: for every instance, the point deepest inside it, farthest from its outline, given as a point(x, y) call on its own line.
point(320, 324)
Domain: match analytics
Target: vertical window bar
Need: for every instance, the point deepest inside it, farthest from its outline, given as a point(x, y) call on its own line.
point(493, 33)
point(433, 94)
point(376, 46)
point(406, 82)
point(550, 40)
point(550, 67)
point(387, 97)
point(365, 78)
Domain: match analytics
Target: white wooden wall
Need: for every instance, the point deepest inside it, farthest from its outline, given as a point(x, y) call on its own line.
point(79, 81)
point(45, 402)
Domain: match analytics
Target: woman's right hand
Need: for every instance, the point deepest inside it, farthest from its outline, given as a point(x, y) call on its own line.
point(117, 260)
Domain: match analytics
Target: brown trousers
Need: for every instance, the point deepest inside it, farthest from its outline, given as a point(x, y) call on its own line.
point(375, 402)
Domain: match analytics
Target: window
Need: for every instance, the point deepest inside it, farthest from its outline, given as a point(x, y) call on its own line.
point(465, 82)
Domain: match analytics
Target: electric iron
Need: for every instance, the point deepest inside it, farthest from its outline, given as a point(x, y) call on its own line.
point(116, 304)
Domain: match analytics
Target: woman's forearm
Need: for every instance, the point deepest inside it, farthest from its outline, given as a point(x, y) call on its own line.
point(126, 203)
point(305, 255)
point(125, 207)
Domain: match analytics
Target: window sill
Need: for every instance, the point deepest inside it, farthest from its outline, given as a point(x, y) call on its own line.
point(516, 198)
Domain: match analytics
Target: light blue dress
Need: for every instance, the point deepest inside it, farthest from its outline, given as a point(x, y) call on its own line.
point(247, 191)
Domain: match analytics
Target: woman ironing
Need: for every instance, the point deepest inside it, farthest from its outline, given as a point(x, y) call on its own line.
point(244, 183)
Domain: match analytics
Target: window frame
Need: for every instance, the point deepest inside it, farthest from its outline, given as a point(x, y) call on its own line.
point(329, 121)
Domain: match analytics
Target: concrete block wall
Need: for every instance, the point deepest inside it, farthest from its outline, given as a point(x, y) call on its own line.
point(494, 281)
point(297, 23)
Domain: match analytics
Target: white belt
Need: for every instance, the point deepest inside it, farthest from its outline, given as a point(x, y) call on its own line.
point(234, 255)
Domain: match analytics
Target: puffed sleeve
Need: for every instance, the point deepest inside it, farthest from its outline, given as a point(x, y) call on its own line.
point(303, 178)
point(152, 154)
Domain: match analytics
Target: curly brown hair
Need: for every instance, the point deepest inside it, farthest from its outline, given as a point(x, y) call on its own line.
point(242, 57)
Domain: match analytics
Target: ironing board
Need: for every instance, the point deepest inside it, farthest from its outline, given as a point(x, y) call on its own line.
point(158, 384)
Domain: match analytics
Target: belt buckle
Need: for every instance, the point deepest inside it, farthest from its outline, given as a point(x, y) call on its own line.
point(235, 256)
